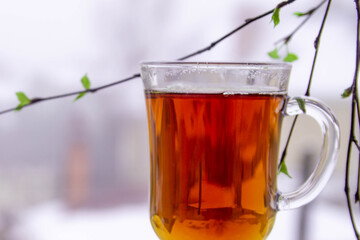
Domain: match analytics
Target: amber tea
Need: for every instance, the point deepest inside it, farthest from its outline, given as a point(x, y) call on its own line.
point(214, 160)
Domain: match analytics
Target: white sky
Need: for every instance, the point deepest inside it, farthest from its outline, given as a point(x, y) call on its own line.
point(61, 40)
point(46, 46)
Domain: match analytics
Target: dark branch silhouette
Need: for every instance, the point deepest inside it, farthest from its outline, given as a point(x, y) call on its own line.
point(352, 135)
point(137, 75)
point(92, 90)
point(316, 44)
point(308, 15)
point(247, 22)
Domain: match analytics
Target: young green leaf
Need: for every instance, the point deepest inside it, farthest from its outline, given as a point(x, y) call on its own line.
point(290, 57)
point(276, 16)
point(23, 100)
point(85, 82)
point(347, 92)
point(301, 104)
point(80, 96)
point(300, 14)
point(283, 169)
point(274, 54)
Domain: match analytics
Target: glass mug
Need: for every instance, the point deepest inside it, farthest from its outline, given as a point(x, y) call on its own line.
point(214, 133)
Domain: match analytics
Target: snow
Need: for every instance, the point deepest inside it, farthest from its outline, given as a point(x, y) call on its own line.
point(53, 221)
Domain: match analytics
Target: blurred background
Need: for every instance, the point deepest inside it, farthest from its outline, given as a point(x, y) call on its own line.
point(81, 170)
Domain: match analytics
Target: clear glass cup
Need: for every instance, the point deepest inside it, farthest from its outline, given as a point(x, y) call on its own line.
point(214, 142)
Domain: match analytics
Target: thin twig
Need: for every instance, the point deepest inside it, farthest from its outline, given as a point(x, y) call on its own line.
point(358, 180)
point(354, 107)
point(92, 90)
point(283, 155)
point(308, 14)
point(247, 22)
point(317, 43)
point(347, 171)
point(137, 75)
point(287, 39)
point(356, 143)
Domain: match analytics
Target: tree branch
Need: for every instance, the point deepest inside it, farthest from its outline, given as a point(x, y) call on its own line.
point(283, 155)
point(354, 107)
point(316, 45)
point(308, 14)
point(307, 93)
point(137, 75)
point(347, 171)
point(92, 90)
point(247, 22)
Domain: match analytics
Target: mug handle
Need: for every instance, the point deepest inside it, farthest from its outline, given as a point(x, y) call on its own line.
point(328, 155)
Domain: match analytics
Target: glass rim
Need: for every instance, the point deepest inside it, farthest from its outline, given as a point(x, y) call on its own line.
point(217, 64)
